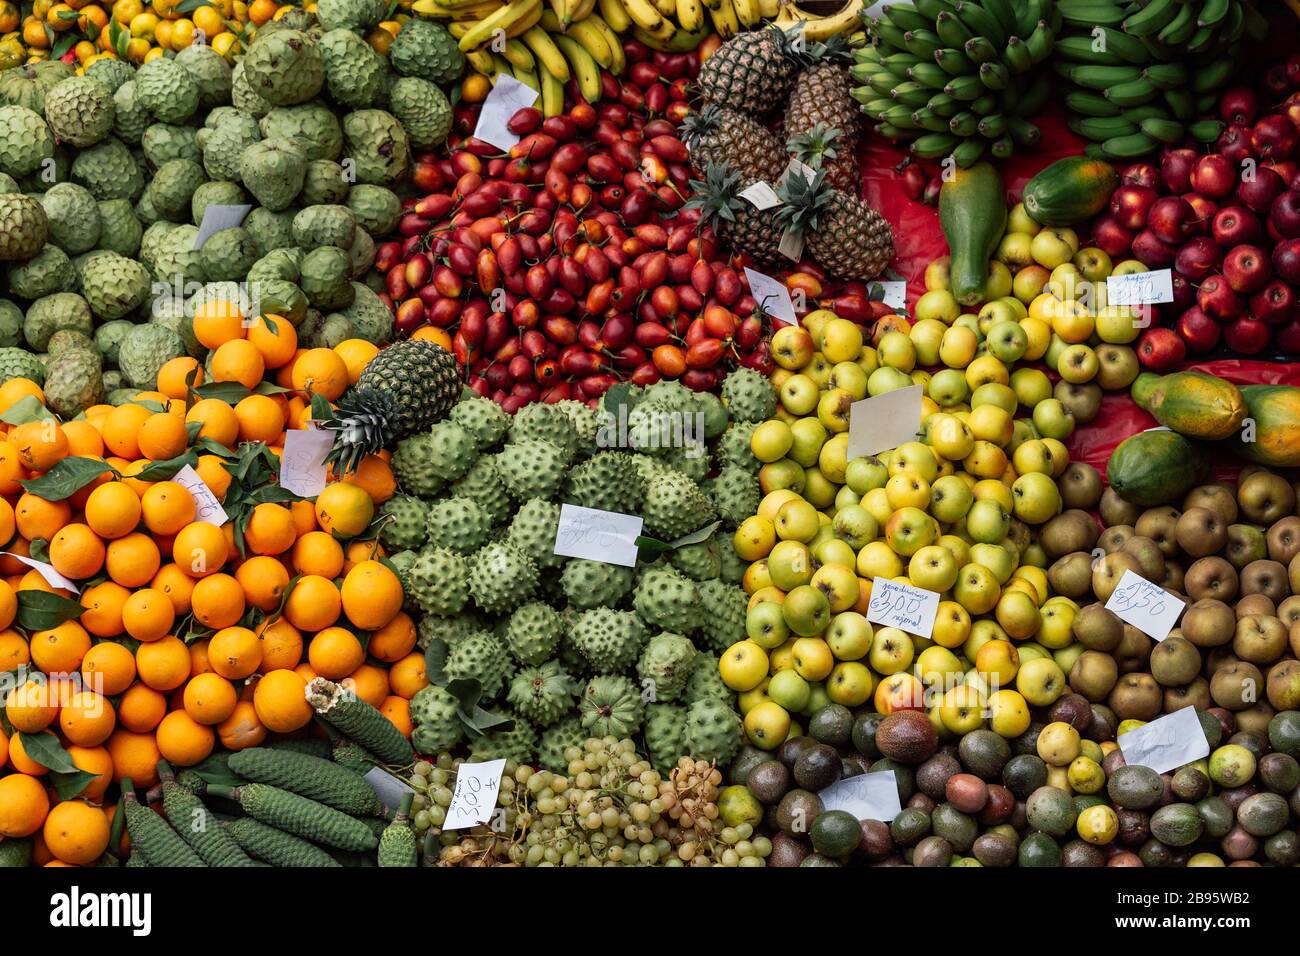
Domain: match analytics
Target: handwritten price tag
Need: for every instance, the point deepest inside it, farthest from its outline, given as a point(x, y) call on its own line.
point(1140, 288)
point(868, 796)
point(605, 536)
point(885, 421)
point(206, 506)
point(903, 606)
point(761, 196)
point(1149, 608)
point(302, 463)
point(476, 794)
point(772, 295)
point(507, 98)
point(53, 578)
point(1166, 743)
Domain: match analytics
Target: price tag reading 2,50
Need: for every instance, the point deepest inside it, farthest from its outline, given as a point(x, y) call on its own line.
point(903, 606)
point(1148, 607)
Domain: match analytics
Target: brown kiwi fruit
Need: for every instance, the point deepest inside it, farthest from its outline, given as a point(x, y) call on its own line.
point(1264, 497)
point(1108, 571)
point(1283, 685)
point(1209, 623)
point(1080, 486)
point(1200, 531)
point(1136, 697)
point(1237, 686)
point(1072, 530)
point(1175, 662)
point(1113, 538)
point(1097, 628)
point(1259, 640)
point(1265, 577)
point(1083, 400)
point(1259, 605)
point(1115, 510)
point(1158, 524)
point(1211, 577)
point(1134, 650)
point(1071, 575)
point(1196, 694)
point(1218, 496)
point(1093, 674)
point(1149, 556)
point(1246, 543)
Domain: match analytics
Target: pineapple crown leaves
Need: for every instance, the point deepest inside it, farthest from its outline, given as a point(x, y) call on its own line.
point(816, 146)
point(834, 49)
point(362, 423)
point(804, 201)
point(716, 196)
point(700, 123)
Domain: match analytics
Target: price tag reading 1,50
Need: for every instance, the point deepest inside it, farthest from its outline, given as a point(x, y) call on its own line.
point(1148, 607)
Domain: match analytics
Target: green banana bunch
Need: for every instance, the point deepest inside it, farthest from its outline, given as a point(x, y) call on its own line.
point(959, 78)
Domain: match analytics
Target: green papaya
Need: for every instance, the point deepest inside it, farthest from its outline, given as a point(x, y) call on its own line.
point(1192, 403)
point(1271, 435)
point(1156, 467)
point(973, 214)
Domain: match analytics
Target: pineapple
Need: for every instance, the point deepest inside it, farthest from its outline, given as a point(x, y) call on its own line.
point(404, 389)
point(752, 72)
point(822, 94)
point(719, 135)
point(820, 148)
point(735, 220)
point(848, 238)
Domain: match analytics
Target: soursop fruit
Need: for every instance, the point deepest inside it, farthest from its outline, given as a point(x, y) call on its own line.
point(482, 484)
point(713, 731)
point(354, 72)
point(375, 208)
point(425, 49)
point(665, 734)
point(220, 193)
point(377, 145)
point(451, 628)
point(669, 600)
point(115, 286)
point(608, 640)
point(423, 110)
point(543, 422)
point(47, 272)
point(73, 382)
point(736, 494)
point(699, 561)
point(501, 577)
point(210, 72)
point(558, 738)
point(167, 90)
point(318, 226)
point(665, 665)
point(532, 468)
point(243, 96)
point(592, 584)
point(725, 607)
point(284, 67)
point(49, 314)
point(403, 522)
point(173, 186)
point(120, 231)
point(608, 481)
point(145, 350)
point(457, 524)
point(534, 632)
point(162, 142)
point(734, 450)
point(485, 420)
point(542, 693)
point(533, 532)
point(705, 682)
point(453, 448)
point(111, 73)
point(435, 714)
point(20, 363)
point(586, 423)
point(326, 279)
point(309, 126)
point(325, 183)
point(349, 14)
point(481, 657)
point(517, 742)
point(223, 146)
point(411, 466)
point(371, 320)
point(273, 170)
point(227, 255)
point(25, 141)
point(437, 581)
point(611, 706)
point(80, 111)
point(675, 506)
point(73, 217)
point(131, 118)
point(748, 395)
point(272, 230)
point(24, 227)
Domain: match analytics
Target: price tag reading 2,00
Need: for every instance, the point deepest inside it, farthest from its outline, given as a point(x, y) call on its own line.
point(903, 606)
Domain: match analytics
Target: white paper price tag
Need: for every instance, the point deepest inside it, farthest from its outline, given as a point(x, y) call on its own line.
point(507, 98)
point(476, 794)
point(761, 196)
point(885, 421)
point(772, 295)
point(1165, 743)
point(895, 292)
point(206, 506)
point(219, 216)
point(302, 463)
point(53, 578)
point(868, 796)
point(1140, 288)
point(903, 606)
point(1148, 607)
point(389, 789)
point(605, 536)
point(807, 172)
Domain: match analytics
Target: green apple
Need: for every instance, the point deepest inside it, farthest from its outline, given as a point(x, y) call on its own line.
point(817, 699)
point(1033, 456)
point(933, 568)
point(790, 565)
point(855, 526)
point(976, 589)
point(817, 369)
point(850, 684)
point(948, 387)
point(1019, 220)
point(807, 435)
point(1053, 246)
point(789, 690)
point(1008, 713)
point(1022, 430)
point(771, 440)
point(926, 336)
point(1040, 681)
point(799, 394)
point(908, 530)
point(817, 488)
point(1118, 325)
point(792, 347)
point(1053, 420)
point(950, 499)
point(865, 474)
point(765, 625)
point(807, 611)
point(958, 346)
point(835, 551)
point(916, 458)
point(936, 274)
point(896, 350)
point(1093, 263)
point(849, 636)
point(1031, 386)
point(1007, 340)
point(886, 379)
point(797, 520)
point(1035, 498)
point(995, 394)
point(987, 521)
point(1014, 250)
point(841, 341)
point(839, 584)
point(1055, 631)
point(938, 305)
point(1078, 364)
point(849, 377)
point(1018, 614)
point(996, 559)
point(938, 667)
point(781, 474)
point(891, 651)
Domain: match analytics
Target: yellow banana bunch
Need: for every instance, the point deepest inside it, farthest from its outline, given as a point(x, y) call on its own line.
point(815, 27)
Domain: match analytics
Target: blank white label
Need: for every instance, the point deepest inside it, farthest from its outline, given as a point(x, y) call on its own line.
point(1148, 607)
point(761, 196)
point(868, 796)
point(1140, 288)
point(605, 536)
point(507, 98)
point(475, 797)
point(895, 292)
point(206, 506)
point(388, 788)
point(219, 216)
point(903, 606)
point(884, 421)
point(302, 463)
point(52, 577)
point(1165, 743)
point(772, 295)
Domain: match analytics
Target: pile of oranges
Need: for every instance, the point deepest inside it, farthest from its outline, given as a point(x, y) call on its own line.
point(185, 644)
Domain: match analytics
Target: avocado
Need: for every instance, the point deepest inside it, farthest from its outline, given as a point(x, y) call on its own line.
point(1216, 816)
point(932, 776)
point(791, 748)
point(984, 753)
point(835, 834)
point(1176, 824)
point(1213, 729)
point(1039, 849)
point(769, 781)
point(1135, 788)
point(816, 859)
point(1153, 853)
point(994, 849)
point(1082, 801)
point(1024, 774)
point(833, 725)
point(959, 829)
point(904, 776)
point(907, 736)
point(1078, 853)
point(1284, 733)
point(1263, 814)
point(787, 850)
point(863, 734)
point(744, 763)
point(817, 767)
point(1051, 811)
point(797, 810)
point(1279, 772)
point(909, 826)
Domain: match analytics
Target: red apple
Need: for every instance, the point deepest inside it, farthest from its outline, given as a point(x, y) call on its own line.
point(1130, 203)
point(1239, 106)
point(1275, 80)
point(1184, 293)
point(1199, 257)
point(1110, 237)
point(1284, 215)
point(1170, 219)
point(1259, 188)
point(1292, 69)
point(1286, 168)
point(1199, 331)
point(1273, 304)
point(1286, 260)
point(1153, 251)
point(1218, 300)
point(1287, 338)
point(1247, 335)
point(1176, 169)
point(1246, 268)
point(1161, 349)
point(1203, 210)
point(1233, 225)
point(1233, 145)
point(1140, 174)
point(1274, 137)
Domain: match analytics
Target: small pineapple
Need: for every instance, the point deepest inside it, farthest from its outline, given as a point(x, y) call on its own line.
point(716, 134)
point(404, 389)
point(821, 147)
point(735, 220)
point(752, 72)
point(848, 238)
point(822, 94)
